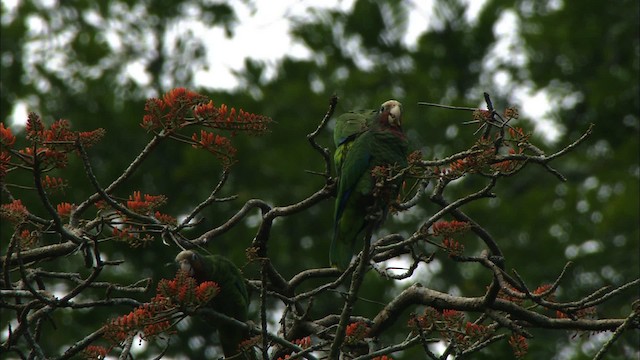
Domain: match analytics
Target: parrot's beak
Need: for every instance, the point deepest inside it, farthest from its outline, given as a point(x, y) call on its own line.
point(396, 114)
point(186, 267)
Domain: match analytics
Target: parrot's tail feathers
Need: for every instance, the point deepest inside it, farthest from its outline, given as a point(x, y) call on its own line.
point(340, 253)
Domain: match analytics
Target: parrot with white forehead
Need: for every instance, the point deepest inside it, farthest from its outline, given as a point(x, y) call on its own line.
point(232, 300)
point(363, 141)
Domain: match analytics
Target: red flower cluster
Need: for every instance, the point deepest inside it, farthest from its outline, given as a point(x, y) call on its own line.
point(183, 290)
point(14, 211)
point(452, 326)
point(59, 133)
point(453, 247)
point(54, 184)
point(165, 219)
point(219, 146)
point(229, 119)
point(511, 113)
point(450, 228)
point(180, 108)
point(28, 239)
point(507, 166)
point(383, 357)
point(518, 134)
point(304, 343)
point(543, 289)
point(481, 115)
point(94, 352)
point(5, 163)
point(145, 204)
point(148, 320)
point(54, 143)
point(355, 332)
point(518, 345)
point(64, 209)
point(155, 317)
point(173, 111)
point(7, 139)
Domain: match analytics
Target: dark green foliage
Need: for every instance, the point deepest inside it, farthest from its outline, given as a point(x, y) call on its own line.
point(585, 54)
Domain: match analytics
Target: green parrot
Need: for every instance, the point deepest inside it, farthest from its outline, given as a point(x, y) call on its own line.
point(233, 299)
point(365, 140)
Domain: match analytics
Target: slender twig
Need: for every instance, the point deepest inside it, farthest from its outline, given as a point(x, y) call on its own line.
point(324, 152)
point(356, 281)
point(74, 220)
point(634, 316)
point(447, 106)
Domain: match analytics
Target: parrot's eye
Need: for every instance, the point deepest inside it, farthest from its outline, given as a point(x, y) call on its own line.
point(382, 109)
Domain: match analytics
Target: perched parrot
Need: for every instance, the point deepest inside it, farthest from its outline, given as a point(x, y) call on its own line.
point(233, 299)
point(364, 140)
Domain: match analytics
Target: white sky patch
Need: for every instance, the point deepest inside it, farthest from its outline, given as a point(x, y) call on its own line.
point(263, 35)
point(419, 14)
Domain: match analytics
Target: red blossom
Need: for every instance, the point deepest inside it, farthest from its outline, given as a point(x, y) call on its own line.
point(206, 291)
point(5, 163)
point(94, 352)
point(14, 211)
point(219, 146)
point(34, 127)
point(356, 331)
point(64, 209)
point(164, 218)
point(144, 204)
point(89, 138)
point(518, 345)
point(383, 357)
point(511, 113)
point(185, 291)
point(453, 318)
point(450, 228)
point(482, 115)
point(28, 239)
point(7, 139)
point(304, 343)
point(542, 289)
point(453, 247)
point(52, 183)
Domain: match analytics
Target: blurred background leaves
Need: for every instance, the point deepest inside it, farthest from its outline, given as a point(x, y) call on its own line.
point(95, 63)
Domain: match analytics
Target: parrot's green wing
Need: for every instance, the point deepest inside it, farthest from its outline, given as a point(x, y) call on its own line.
point(233, 299)
point(382, 144)
point(350, 123)
point(349, 126)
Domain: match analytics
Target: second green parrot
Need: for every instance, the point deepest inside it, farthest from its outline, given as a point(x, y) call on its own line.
point(233, 299)
point(364, 140)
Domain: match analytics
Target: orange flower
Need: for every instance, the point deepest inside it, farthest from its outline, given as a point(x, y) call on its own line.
point(453, 247)
point(144, 204)
point(65, 209)
point(518, 345)
point(94, 352)
point(5, 163)
point(355, 332)
point(206, 291)
point(304, 343)
point(6, 137)
point(53, 183)
point(34, 126)
point(164, 218)
point(14, 211)
point(450, 228)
